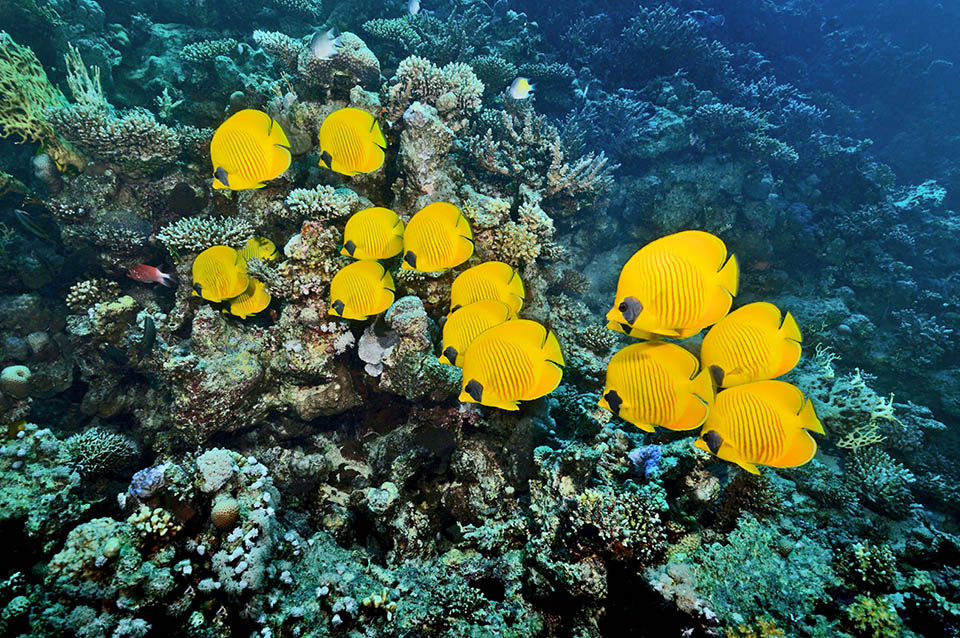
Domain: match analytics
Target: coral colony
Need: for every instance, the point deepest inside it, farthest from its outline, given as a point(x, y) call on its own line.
point(486, 319)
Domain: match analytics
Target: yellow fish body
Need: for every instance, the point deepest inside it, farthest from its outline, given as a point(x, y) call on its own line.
point(761, 423)
point(489, 280)
point(676, 286)
point(519, 360)
point(373, 233)
point(251, 301)
point(657, 384)
point(751, 344)
point(248, 149)
point(360, 290)
point(438, 237)
point(351, 142)
point(467, 323)
point(219, 273)
point(259, 248)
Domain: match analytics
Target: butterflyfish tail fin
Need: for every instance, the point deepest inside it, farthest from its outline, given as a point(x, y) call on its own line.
point(703, 386)
point(809, 419)
point(790, 329)
point(730, 276)
point(377, 135)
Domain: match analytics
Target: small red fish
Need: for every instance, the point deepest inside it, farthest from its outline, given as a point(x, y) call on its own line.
point(150, 274)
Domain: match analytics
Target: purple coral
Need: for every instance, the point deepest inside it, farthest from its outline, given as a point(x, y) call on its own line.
point(146, 482)
point(646, 459)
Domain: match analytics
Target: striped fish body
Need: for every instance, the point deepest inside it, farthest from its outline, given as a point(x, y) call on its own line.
point(518, 360)
point(676, 286)
point(360, 290)
point(259, 248)
point(219, 273)
point(373, 233)
point(466, 324)
point(751, 344)
point(248, 149)
point(761, 423)
point(351, 142)
point(489, 280)
point(437, 238)
point(657, 384)
point(251, 301)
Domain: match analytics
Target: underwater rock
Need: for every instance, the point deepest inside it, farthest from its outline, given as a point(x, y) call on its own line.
point(15, 381)
point(352, 64)
point(428, 173)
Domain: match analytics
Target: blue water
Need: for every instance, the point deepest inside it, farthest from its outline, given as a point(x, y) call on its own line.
point(179, 458)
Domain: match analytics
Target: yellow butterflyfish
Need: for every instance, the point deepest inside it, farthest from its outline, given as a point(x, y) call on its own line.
point(489, 280)
point(657, 384)
point(438, 237)
point(259, 248)
point(360, 290)
point(373, 233)
point(466, 323)
point(676, 286)
point(251, 301)
point(351, 142)
point(248, 149)
point(751, 344)
point(761, 423)
point(518, 360)
point(219, 273)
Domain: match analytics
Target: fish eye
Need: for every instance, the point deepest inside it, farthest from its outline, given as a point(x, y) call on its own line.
point(623, 306)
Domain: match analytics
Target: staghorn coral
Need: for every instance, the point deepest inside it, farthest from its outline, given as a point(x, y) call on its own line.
point(194, 234)
point(736, 128)
point(495, 72)
point(423, 35)
point(305, 8)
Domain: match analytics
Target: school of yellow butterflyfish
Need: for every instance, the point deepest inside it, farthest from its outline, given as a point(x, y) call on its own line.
point(673, 287)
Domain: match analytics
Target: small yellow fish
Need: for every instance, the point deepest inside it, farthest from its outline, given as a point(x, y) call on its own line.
point(373, 233)
point(521, 88)
point(466, 323)
point(438, 237)
point(751, 344)
point(219, 273)
point(248, 149)
point(351, 142)
point(518, 360)
point(360, 290)
point(761, 423)
point(259, 248)
point(251, 301)
point(676, 286)
point(489, 280)
point(657, 384)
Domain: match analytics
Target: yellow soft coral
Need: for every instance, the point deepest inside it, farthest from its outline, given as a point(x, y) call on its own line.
point(25, 92)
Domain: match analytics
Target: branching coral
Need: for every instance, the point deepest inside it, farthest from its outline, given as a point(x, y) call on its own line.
point(206, 51)
point(97, 451)
point(322, 203)
point(134, 140)
point(454, 90)
point(521, 146)
point(280, 46)
point(740, 129)
point(194, 234)
point(882, 481)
